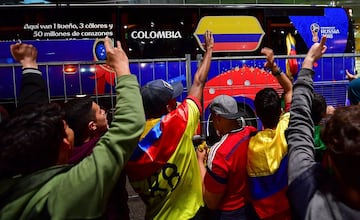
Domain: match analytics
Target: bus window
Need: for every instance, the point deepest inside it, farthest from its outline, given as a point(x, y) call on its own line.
point(161, 33)
point(278, 29)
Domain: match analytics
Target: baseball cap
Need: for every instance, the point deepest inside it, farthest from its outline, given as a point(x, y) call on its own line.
point(157, 93)
point(225, 106)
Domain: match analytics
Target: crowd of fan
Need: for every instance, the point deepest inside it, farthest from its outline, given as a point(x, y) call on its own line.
point(68, 162)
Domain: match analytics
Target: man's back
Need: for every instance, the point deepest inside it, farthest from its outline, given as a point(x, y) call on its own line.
point(267, 171)
point(165, 173)
point(227, 161)
point(267, 154)
point(163, 168)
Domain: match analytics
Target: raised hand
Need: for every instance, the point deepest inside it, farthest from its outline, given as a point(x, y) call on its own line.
point(317, 49)
point(116, 58)
point(26, 54)
point(269, 53)
point(349, 76)
point(209, 40)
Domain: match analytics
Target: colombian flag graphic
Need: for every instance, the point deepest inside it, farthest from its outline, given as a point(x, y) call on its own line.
point(231, 33)
point(157, 145)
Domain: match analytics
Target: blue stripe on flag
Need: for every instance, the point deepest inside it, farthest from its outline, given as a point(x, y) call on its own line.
point(150, 138)
point(221, 38)
point(264, 186)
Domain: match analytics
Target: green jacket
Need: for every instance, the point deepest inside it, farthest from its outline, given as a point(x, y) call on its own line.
point(319, 145)
point(81, 191)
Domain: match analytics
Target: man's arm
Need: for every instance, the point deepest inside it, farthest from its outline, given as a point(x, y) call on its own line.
point(281, 77)
point(129, 108)
point(286, 84)
point(33, 88)
point(117, 58)
point(300, 131)
point(201, 74)
point(96, 175)
point(303, 171)
point(212, 200)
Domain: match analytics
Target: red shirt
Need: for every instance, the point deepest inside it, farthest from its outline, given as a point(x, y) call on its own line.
point(226, 168)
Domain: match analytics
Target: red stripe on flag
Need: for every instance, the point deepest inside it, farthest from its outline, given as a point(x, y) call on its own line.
point(272, 205)
point(236, 46)
point(162, 149)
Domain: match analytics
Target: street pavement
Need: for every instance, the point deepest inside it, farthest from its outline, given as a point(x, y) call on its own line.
point(136, 205)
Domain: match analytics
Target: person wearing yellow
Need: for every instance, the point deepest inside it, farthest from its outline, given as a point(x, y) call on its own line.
point(163, 169)
point(267, 151)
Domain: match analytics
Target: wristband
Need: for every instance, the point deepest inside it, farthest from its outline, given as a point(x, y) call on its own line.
point(31, 70)
point(276, 73)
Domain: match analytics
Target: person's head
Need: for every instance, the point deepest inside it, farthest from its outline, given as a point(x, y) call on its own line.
point(33, 139)
point(224, 114)
point(341, 134)
point(159, 97)
point(268, 107)
point(318, 110)
point(354, 92)
point(86, 118)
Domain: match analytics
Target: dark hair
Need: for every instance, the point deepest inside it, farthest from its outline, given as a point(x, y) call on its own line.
point(318, 110)
point(341, 134)
point(268, 107)
point(78, 113)
point(30, 139)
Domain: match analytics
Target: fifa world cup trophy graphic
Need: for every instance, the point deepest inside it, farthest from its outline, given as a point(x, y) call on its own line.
point(315, 28)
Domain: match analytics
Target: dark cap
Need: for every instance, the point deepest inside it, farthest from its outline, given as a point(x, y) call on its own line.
point(157, 93)
point(225, 106)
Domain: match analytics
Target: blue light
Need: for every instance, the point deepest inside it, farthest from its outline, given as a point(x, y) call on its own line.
point(33, 1)
point(9, 60)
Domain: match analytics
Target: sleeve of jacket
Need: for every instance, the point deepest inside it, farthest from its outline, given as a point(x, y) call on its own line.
point(83, 191)
point(302, 168)
point(33, 88)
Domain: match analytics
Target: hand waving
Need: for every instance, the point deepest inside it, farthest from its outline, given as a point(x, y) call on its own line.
point(26, 54)
point(269, 53)
point(317, 49)
point(209, 40)
point(314, 53)
point(117, 58)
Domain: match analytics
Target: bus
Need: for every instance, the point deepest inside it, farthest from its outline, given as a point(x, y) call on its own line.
point(166, 41)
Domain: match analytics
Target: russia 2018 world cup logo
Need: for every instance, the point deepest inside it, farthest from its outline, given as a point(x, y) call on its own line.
point(315, 28)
